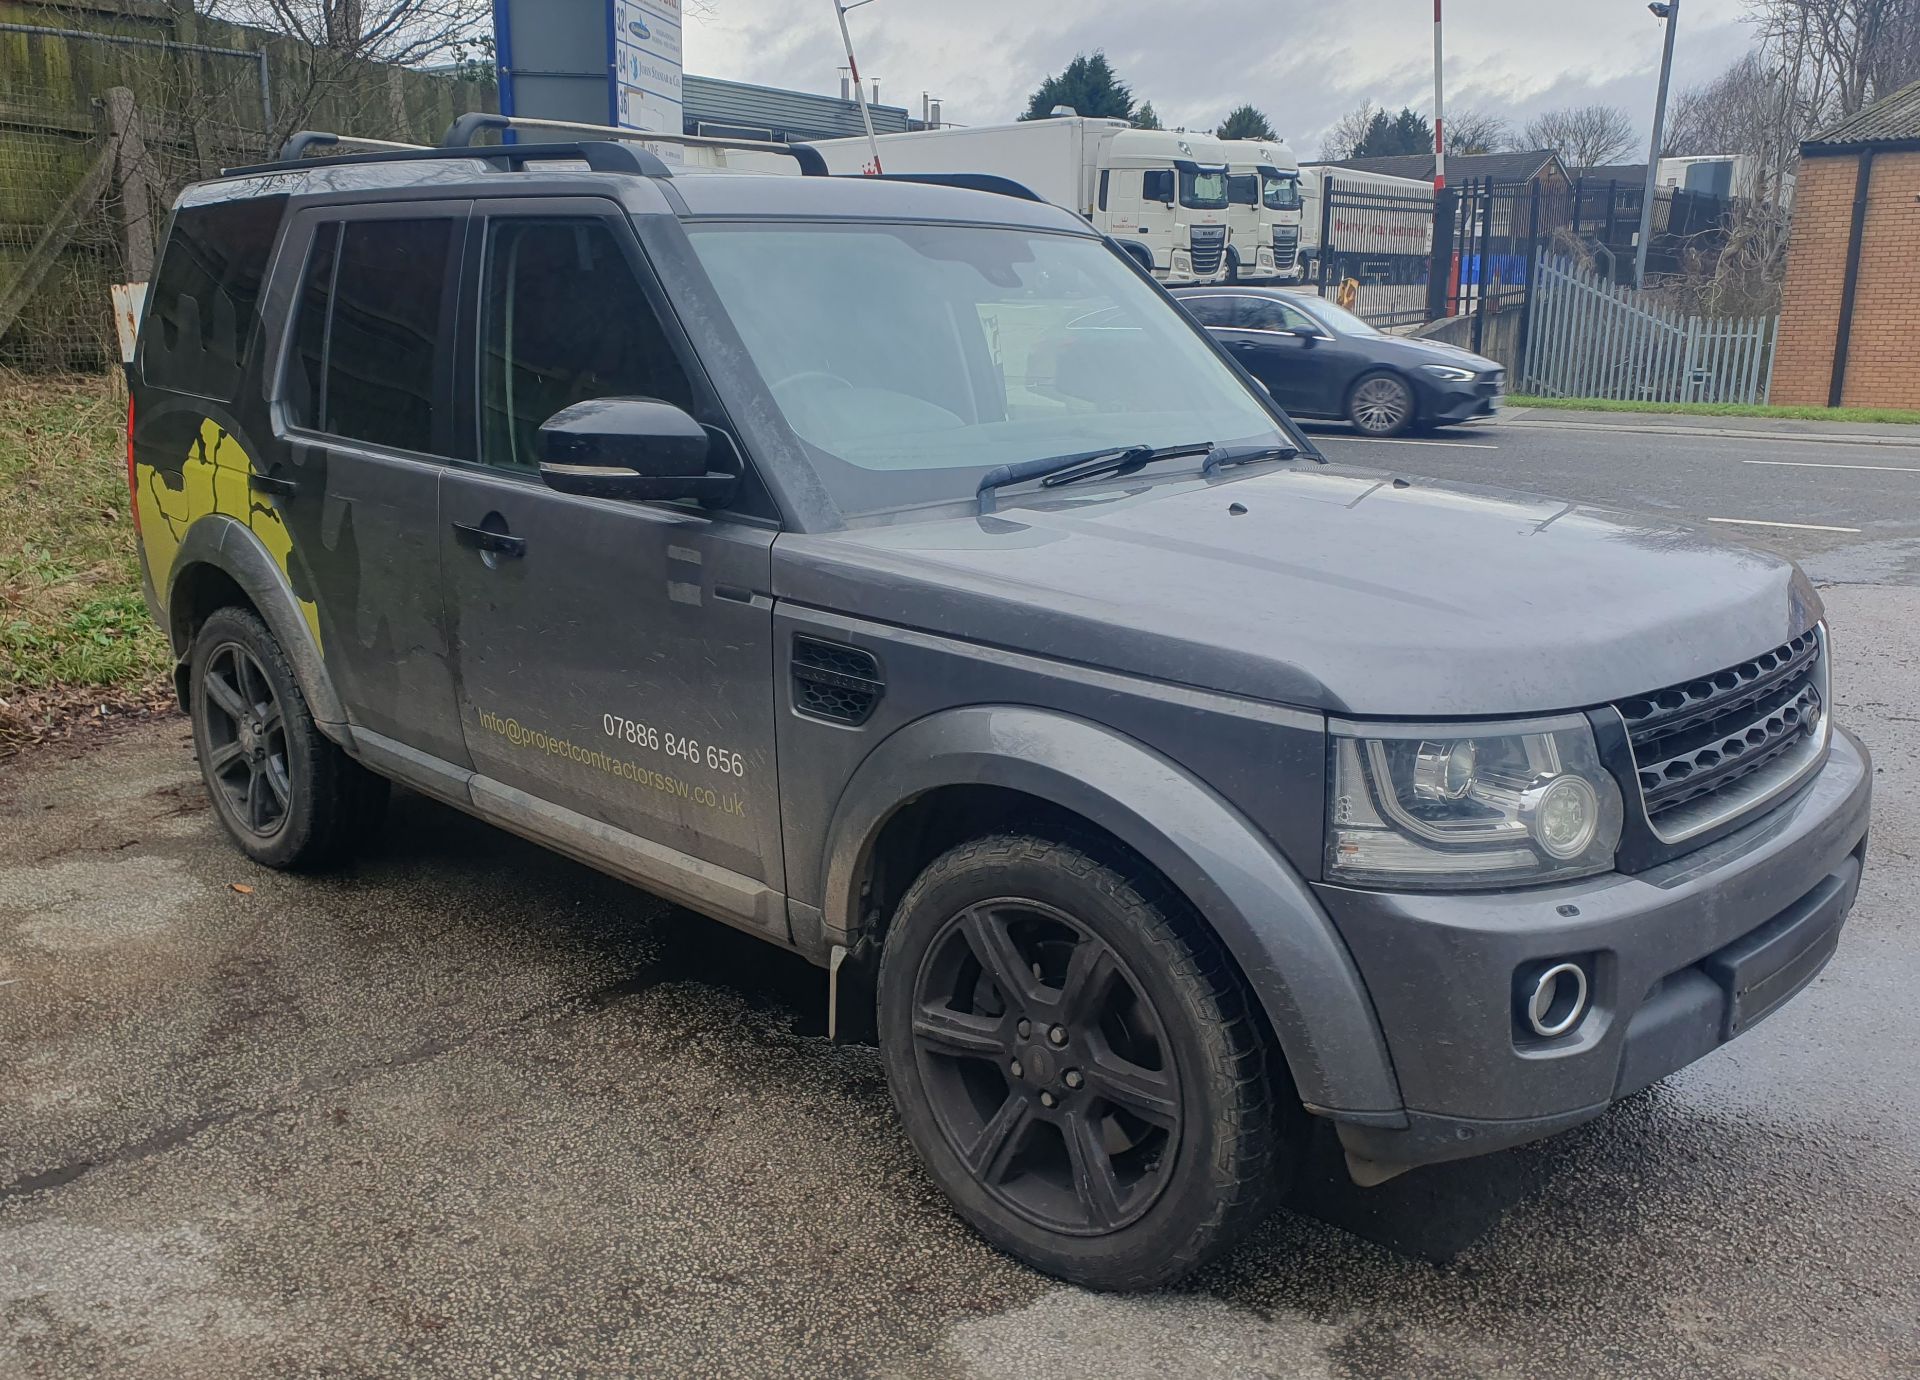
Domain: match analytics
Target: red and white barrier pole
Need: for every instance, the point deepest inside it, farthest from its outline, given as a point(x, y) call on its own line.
point(1439, 130)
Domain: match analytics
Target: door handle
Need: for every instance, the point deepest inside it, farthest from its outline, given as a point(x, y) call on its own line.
point(496, 543)
point(273, 484)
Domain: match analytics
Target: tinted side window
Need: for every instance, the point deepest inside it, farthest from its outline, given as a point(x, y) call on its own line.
point(1265, 314)
point(563, 320)
point(1243, 189)
point(307, 369)
point(1210, 311)
point(389, 339)
point(1156, 186)
point(205, 298)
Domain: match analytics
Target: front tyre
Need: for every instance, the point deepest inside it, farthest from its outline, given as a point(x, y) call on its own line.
point(1076, 1061)
point(288, 797)
point(1381, 404)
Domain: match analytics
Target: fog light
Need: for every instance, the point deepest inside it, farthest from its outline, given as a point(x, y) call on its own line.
point(1557, 1000)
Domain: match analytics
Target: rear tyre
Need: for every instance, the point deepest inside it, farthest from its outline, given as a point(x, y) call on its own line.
point(1077, 1062)
point(1381, 404)
point(286, 795)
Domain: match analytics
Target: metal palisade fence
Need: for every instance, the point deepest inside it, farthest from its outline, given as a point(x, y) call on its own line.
point(1589, 338)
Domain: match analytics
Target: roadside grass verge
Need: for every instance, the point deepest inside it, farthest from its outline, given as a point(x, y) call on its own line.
point(74, 627)
point(1801, 414)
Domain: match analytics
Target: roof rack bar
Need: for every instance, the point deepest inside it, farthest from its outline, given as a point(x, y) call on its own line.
point(461, 132)
point(599, 155)
point(297, 144)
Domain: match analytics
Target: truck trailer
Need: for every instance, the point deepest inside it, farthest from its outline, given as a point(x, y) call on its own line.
point(1161, 195)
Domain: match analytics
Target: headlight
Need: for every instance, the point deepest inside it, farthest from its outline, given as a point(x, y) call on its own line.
point(1448, 371)
point(1465, 805)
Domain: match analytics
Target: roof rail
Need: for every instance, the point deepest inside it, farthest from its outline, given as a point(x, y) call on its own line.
point(598, 155)
point(461, 132)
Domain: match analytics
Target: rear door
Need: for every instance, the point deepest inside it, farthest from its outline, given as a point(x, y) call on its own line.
point(1305, 372)
point(365, 408)
point(615, 659)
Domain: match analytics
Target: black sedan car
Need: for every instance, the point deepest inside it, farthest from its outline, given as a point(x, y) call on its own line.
point(1319, 360)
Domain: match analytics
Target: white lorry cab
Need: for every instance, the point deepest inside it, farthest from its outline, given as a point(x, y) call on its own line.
point(1162, 195)
point(1263, 211)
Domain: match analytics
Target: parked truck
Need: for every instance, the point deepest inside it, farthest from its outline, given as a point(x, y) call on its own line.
point(1378, 229)
point(1162, 195)
point(1263, 211)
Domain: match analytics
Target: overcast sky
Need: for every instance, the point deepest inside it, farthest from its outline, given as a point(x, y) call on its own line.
point(1303, 62)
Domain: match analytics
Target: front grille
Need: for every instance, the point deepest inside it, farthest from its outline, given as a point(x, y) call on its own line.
point(1209, 245)
point(1286, 245)
point(1711, 749)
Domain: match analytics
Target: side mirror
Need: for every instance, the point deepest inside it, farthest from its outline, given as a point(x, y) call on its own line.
point(629, 448)
point(1305, 333)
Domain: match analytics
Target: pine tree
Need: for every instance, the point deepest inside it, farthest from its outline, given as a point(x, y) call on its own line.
point(1089, 86)
point(1245, 123)
point(1146, 117)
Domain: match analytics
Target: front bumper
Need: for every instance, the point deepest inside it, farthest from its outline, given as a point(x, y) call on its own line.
point(1447, 402)
point(1683, 957)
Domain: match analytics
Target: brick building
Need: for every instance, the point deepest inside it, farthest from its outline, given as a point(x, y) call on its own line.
point(1850, 320)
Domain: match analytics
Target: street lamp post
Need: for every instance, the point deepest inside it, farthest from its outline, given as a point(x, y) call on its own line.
point(1669, 10)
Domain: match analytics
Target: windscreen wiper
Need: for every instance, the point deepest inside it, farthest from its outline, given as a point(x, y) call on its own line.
point(1055, 470)
point(1224, 457)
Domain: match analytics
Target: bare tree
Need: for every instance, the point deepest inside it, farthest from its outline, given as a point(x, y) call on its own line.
point(1838, 56)
point(1347, 134)
point(1584, 136)
point(1476, 131)
point(405, 32)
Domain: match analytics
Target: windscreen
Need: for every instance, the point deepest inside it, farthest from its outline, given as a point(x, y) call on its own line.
point(1204, 189)
point(912, 359)
point(1282, 193)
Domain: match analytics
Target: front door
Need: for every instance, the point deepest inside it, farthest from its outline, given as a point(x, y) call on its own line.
point(615, 659)
point(364, 411)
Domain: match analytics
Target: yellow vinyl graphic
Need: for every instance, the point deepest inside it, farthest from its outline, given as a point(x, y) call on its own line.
point(213, 480)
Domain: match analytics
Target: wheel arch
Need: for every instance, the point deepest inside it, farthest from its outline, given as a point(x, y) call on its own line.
point(220, 563)
point(1285, 946)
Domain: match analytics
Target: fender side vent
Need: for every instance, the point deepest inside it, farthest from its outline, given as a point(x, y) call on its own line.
point(835, 682)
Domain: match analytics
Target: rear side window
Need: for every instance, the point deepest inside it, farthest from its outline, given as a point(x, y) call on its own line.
point(205, 299)
point(1210, 311)
point(372, 337)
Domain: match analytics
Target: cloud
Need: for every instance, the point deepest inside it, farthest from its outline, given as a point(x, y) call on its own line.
point(1304, 62)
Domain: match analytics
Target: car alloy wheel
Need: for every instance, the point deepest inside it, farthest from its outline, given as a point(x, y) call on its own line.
point(1047, 1070)
point(246, 741)
point(1382, 405)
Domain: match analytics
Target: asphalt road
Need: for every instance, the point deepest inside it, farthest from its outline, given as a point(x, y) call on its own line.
point(1849, 513)
point(474, 1110)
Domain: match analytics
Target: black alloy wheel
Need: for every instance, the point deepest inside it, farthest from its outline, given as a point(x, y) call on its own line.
point(245, 733)
point(1079, 1062)
point(1048, 1071)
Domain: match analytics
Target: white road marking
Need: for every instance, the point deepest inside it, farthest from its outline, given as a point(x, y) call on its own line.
point(1797, 526)
point(1396, 441)
point(1829, 465)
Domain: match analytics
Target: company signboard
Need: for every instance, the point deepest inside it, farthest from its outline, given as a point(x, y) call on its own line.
point(646, 46)
point(592, 61)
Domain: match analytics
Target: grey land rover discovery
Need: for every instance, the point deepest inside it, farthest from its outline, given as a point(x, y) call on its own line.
point(792, 547)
